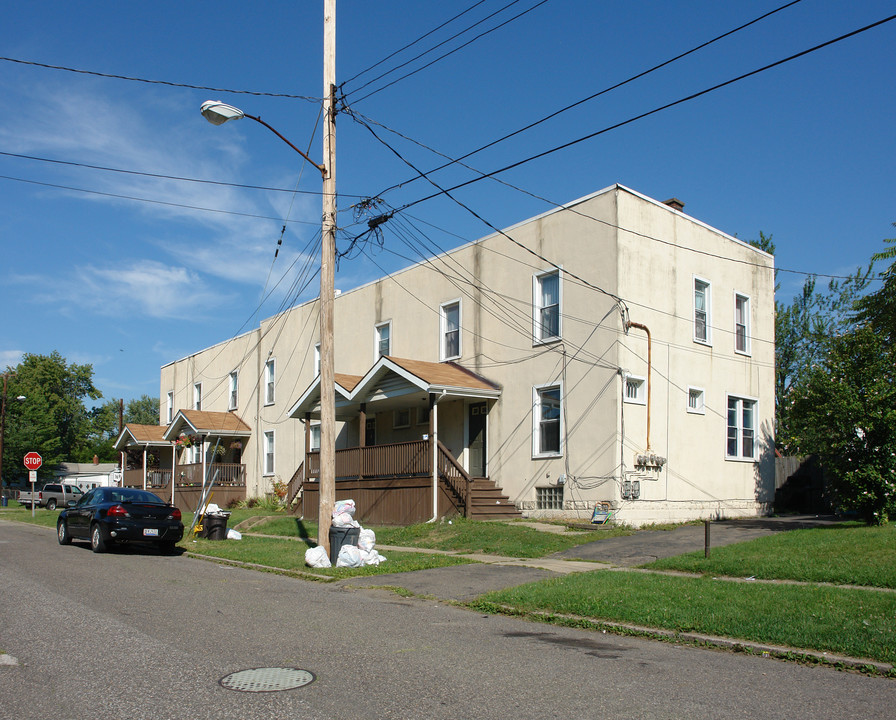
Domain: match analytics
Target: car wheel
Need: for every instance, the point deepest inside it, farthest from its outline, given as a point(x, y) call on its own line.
point(51, 504)
point(62, 533)
point(97, 541)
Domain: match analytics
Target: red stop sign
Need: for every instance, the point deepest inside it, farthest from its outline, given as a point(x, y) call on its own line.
point(33, 461)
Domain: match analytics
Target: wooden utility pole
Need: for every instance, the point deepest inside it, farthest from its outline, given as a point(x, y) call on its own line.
point(327, 287)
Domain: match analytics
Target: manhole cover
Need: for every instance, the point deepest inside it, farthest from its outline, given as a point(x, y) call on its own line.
point(266, 679)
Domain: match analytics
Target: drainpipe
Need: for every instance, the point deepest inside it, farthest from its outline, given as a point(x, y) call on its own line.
point(628, 326)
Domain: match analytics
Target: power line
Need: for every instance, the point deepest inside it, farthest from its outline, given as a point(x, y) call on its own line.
point(159, 82)
point(591, 97)
point(412, 43)
point(450, 52)
point(643, 115)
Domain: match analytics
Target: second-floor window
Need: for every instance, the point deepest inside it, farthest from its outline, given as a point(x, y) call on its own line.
point(702, 318)
point(450, 320)
point(232, 405)
point(197, 396)
point(383, 337)
point(170, 409)
point(546, 320)
point(269, 382)
point(742, 324)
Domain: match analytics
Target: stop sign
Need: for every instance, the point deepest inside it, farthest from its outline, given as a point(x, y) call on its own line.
point(33, 461)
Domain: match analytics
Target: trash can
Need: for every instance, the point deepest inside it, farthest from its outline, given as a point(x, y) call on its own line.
point(4, 501)
point(340, 536)
point(214, 526)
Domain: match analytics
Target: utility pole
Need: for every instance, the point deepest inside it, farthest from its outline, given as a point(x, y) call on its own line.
point(327, 286)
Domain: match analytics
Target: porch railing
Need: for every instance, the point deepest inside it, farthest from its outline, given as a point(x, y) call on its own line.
point(456, 478)
point(229, 474)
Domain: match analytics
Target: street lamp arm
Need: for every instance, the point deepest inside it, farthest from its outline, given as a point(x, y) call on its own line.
point(322, 168)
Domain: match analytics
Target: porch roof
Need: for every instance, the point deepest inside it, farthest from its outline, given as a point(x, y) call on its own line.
point(141, 435)
point(204, 422)
point(396, 382)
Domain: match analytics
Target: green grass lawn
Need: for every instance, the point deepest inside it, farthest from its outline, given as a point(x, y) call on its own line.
point(848, 554)
point(853, 622)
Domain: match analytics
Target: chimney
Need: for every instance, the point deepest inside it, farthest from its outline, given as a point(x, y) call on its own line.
point(674, 203)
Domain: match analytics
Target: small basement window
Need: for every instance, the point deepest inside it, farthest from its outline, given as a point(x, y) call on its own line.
point(549, 498)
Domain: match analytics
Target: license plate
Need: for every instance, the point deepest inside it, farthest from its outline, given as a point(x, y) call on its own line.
point(151, 532)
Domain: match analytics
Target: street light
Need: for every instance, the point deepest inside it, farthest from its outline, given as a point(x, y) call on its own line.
point(219, 113)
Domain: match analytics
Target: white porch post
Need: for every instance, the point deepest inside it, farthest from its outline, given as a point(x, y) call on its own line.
point(173, 468)
point(434, 439)
point(144, 467)
point(124, 466)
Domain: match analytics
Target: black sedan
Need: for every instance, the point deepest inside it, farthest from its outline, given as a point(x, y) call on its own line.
point(110, 515)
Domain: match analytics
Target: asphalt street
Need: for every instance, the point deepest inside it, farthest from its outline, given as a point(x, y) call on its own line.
point(133, 634)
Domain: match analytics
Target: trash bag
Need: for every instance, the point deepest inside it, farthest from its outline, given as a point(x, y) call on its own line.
point(316, 557)
point(371, 557)
point(234, 534)
point(349, 556)
point(343, 514)
point(366, 540)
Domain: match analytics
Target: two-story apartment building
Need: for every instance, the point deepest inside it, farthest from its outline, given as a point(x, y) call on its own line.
point(614, 350)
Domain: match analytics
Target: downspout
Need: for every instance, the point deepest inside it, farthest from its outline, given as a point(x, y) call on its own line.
point(628, 326)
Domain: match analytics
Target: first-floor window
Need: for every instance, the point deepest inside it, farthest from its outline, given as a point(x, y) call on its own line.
point(315, 438)
point(546, 430)
point(741, 428)
point(269, 452)
point(549, 498)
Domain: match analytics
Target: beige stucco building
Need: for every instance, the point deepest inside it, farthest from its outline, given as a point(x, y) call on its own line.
point(614, 350)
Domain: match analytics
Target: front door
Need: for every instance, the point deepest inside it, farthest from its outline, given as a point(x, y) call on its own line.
point(476, 415)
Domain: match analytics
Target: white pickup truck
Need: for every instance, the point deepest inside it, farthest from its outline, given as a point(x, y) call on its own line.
point(50, 496)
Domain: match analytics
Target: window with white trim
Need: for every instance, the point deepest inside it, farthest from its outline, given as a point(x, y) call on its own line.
point(696, 401)
point(635, 390)
point(315, 437)
point(741, 441)
point(234, 384)
point(317, 359)
point(269, 376)
point(702, 311)
point(269, 452)
point(741, 324)
point(546, 306)
point(170, 407)
point(547, 420)
point(196, 451)
point(449, 314)
point(197, 396)
point(383, 339)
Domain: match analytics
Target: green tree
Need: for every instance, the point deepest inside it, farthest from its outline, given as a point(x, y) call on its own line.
point(142, 411)
point(846, 413)
point(103, 427)
point(52, 420)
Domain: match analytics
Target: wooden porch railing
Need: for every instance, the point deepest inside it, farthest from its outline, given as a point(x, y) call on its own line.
point(230, 474)
point(395, 460)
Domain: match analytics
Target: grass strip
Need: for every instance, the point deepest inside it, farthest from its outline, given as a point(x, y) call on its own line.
point(854, 622)
point(849, 554)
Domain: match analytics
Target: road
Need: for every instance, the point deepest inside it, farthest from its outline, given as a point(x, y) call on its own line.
point(134, 634)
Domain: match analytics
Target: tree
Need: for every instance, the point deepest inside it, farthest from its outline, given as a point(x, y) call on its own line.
point(104, 427)
point(143, 411)
point(846, 414)
point(52, 420)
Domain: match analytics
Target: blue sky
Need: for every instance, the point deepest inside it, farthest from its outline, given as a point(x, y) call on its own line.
point(127, 271)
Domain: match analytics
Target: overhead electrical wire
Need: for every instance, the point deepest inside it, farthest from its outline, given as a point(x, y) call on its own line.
point(591, 97)
point(442, 57)
point(648, 113)
point(159, 82)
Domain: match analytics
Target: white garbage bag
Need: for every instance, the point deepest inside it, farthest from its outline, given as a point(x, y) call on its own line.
point(343, 514)
point(371, 557)
point(349, 556)
point(317, 557)
point(234, 534)
point(366, 540)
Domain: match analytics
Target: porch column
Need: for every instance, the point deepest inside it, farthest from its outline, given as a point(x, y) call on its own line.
point(362, 437)
point(204, 449)
point(124, 466)
point(173, 468)
point(307, 446)
point(433, 439)
point(144, 467)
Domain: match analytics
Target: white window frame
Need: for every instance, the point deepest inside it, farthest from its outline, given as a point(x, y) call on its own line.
point(268, 458)
point(700, 394)
point(443, 330)
point(233, 396)
point(314, 435)
point(640, 385)
point(746, 349)
point(707, 300)
point(378, 339)
point(197, 396)
point(537, 420)
point(741, 402)
point(170, 408)
point(196, 451)
point(538, 335)
point(270, 377)
point(316, 359)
